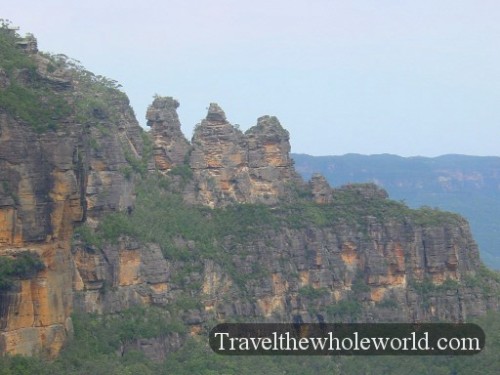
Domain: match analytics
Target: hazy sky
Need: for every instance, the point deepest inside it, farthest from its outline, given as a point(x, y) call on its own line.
point(418, 77)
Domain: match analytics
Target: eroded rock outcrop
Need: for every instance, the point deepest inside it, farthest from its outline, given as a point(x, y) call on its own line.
point(269, 163)
point(320, 189)
point(170, 146)
point(219, 160)
point(228, 166)
point(232, 167)
point(119, 276)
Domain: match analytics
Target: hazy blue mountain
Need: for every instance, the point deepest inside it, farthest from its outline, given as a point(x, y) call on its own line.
point(469, 185)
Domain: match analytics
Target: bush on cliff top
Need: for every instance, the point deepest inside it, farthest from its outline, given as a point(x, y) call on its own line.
point(30, 96)
point(32, 101)
point(23, 266)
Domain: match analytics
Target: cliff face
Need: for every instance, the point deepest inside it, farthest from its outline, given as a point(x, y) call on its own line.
point(43, 185)
point(342, 261)
point(334, 274)
point(449, 182)
point(49, 181)
point(119, 276)
point(292, 252)
point(114, 143)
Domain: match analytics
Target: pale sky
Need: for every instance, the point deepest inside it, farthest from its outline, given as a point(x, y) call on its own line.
point(418, 77)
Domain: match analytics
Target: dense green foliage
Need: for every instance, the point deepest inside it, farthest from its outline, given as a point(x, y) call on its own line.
point(351, 207)
point(28, 96)
point(98, 101)
point(312, 293)
point(97, 348)
point(31, 95)
point(23, 266)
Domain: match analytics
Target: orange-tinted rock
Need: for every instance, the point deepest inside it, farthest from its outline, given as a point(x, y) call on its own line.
point(50, 181)
point(34, 318)
point(10, 227)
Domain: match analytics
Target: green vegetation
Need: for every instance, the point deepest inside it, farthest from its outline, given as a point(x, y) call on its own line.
point(96, 97)
point(87, 235)
point(136, 322)
point(312, 293)
point(12, 57)
point(103, 345)
point(138, 165)
point(31, 94)
point(347, 308)
point(427, 287)
point(485, 279)
point(27, 96)
point(352, 207)
point(359, 285)
point(23, 266)
point(184, 171)
point(434, 216)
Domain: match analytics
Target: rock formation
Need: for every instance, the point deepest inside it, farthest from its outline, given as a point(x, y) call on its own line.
point(219, 160)
point(137, 274)
point(170, 145)
point(320, 188)
point(269, 163)
point(344, 254)
point(230, 166)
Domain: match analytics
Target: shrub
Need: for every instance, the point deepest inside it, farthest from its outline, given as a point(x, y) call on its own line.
point(348, 308)
point(312, 293)
point(23, 266)
point(35, 102)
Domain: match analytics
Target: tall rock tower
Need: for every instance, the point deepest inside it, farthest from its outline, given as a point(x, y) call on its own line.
point(170, 146)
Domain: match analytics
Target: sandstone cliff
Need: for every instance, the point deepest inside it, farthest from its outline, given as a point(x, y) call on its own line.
point(229, 166)
point(218, 229)
point(54, 175)
point(170, 146)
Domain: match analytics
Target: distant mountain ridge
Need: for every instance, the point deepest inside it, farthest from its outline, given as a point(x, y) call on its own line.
point(469, 185)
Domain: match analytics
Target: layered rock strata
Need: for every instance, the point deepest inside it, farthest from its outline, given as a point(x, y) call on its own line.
point(324, 266)
point(229, 166)
point(170, 145)
point(234, 167)
point(51, 181)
